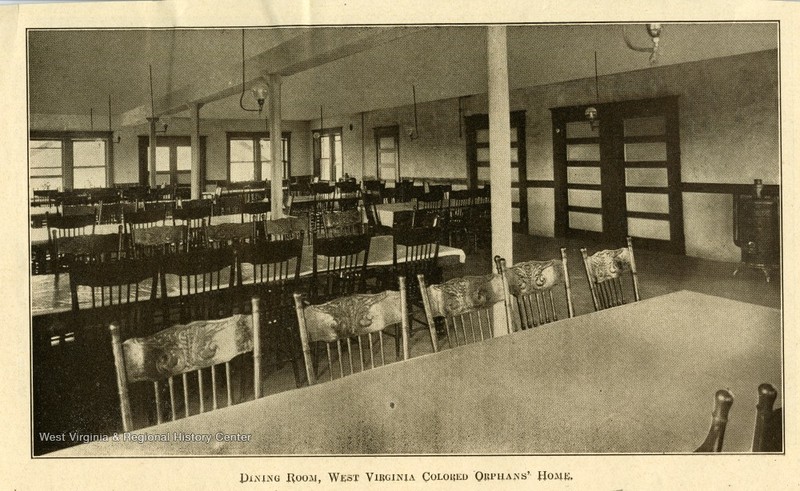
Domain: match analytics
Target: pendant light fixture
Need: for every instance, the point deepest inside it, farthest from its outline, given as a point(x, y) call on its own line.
point(413, 133)
point(318, 134)
point(260, 89)
point(119, 138)
point(153, 116)
point(654, 31)
point(591, 112)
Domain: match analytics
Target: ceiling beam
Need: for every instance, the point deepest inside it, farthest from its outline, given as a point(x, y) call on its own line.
point(312, 48)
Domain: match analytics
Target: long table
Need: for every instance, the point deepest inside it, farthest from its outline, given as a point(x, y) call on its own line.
point(51, 293)
point(638, 378)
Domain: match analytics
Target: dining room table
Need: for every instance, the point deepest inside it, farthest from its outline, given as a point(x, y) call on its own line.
point(386, 211)
point(51, 293)
point(638, 378)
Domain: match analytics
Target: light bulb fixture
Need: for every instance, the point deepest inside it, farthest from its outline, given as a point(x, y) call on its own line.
point(413, 132)
point(259, 88)
point(591, 113)
point(654, 31)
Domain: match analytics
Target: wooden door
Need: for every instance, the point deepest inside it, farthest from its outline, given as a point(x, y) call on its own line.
point(621, 178)
point(477, 139)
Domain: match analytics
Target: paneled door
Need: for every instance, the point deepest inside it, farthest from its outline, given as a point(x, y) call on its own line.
point(477, 137)
point(622, 177)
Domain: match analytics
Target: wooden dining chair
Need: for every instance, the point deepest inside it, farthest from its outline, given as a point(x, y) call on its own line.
point(723, 400)
point(604, 271)
point(228, 204)
point(458, 215)
point(60, 227)
point(286, 228)
point(768, 431)
point(197, 284)
point(256, 211)
point(342, 223)
point(271, 271)
point(531, 285)
point(464, 308)
point(159, 240)
point(339, 266)
point(415, 252)
point(170, 356)
point(195, 215)
point(230, 234)
point(353, 323)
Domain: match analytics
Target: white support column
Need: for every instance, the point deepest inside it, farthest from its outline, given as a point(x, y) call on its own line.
point(275, 136)
point(197, 185)
point(152, 169)
point(499, 142)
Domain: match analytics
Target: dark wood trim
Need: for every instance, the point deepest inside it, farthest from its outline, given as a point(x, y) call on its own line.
point(644, 164)
point(582, 163)
point(644, 139)
point(536, 183)
point(726, 188)
point(585, 209)
point(647, 189)
point(60, 135)
point(560, 165)
point(583, 140)
point(648, 215)
point(588, 187)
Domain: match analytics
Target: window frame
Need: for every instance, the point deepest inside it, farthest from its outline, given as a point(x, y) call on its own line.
point(67, 138)
point(172, 142)
point(316, 139)
point(255, 137)
point(391, 131)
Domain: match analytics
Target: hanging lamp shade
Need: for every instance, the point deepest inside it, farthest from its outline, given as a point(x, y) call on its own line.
point(260, 91)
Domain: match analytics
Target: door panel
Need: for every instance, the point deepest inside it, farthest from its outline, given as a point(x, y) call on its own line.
point(477, 139)
point(623, 177)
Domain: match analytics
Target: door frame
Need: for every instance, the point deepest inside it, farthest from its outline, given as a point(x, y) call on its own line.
point(379, 132)
point(611, 140)
point(172, 141)
point(477, 122)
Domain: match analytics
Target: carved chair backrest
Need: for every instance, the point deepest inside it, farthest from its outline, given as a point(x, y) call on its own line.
point(350, 325)
point(604, 271)
point(158, 240)
point(286, 228)
point(230, 234)
point(342, 222)
point(465, 307)
point(531, 285)
point(172, 355)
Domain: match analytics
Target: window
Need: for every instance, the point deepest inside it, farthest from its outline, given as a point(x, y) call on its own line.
point(173, 159)
point(69, 160)
point(328, 158)
point(247, 149)
point(387, 146)
point(45, 164)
